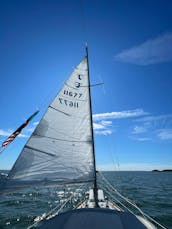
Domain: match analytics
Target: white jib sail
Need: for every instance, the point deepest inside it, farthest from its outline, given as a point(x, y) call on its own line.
point(60, 149)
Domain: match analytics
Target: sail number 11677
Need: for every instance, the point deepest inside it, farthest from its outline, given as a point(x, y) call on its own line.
point(72, 94)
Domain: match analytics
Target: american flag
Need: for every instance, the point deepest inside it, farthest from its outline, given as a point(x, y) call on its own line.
point(18, 131)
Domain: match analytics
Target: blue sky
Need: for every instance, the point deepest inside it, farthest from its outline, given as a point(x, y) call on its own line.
point(130, 50)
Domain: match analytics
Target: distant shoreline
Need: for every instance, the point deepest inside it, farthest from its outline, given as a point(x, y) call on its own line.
point(155, 170)
point(164, 170)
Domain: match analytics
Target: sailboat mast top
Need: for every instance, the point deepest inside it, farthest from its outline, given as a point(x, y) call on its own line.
point(94, 159)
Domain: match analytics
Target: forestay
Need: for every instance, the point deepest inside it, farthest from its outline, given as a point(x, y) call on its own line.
point(60, 149)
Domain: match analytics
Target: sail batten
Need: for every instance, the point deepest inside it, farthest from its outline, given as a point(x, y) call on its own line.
point(59, 110)
point(60, 149)
point(40, 151)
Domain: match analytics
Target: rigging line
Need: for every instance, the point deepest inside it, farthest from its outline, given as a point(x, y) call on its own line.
point(119, 202)
point(58, 139)
point(80, 203)
point(96, 84)
point(110, 151)
point(45, 215)
point(92, 85)
point(103, 86)
point(116, 166)
point(48, 215)
point(71, 86)
point(118, 193)
point(108, 190)
point(61, 208)
point(130, 202)
point(86, 86)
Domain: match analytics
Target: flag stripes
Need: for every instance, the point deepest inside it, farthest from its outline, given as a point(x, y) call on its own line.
point(18, 131)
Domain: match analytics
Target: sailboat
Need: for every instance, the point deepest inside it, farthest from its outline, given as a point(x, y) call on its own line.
point(61, 151)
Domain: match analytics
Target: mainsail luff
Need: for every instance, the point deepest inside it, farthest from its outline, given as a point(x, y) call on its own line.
point(60, 149)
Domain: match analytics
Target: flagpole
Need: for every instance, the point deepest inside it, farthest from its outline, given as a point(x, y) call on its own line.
point(17, 132)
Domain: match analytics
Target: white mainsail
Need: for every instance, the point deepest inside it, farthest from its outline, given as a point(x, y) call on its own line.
point(60, 149)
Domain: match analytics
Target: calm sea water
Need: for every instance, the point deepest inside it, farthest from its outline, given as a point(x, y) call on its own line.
point(151, 191)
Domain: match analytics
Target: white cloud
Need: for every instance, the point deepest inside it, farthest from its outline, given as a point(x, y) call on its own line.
point(98, 126)
point(30, 130)
point(119, 114)
point(165, 134)
point(154, 126)
point(102, 125)
point(103, 128)
point(141, 139)
point(164, 118)
point(133, 167)
point(23, 136)
point(106, 123)
point(139, 129)
point(5, 133)
point(103, 132)
point(152, 51)
point(35, 123)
